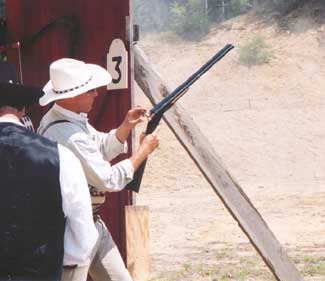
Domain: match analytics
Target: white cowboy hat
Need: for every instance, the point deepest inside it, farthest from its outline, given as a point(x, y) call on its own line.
point(70, 78)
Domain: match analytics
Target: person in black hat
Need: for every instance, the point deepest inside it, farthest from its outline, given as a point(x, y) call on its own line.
point(44, 195)
point(8, 72)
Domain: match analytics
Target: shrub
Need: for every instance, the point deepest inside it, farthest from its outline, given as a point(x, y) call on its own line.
point(179, 18)
point(189, 20)
point(239, 6)
point(255, 51)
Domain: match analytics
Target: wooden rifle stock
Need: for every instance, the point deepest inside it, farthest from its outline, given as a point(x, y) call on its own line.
point(158, 110)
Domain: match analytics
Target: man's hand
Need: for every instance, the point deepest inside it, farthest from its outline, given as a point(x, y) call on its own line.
point(148, 143)
point(133, 117)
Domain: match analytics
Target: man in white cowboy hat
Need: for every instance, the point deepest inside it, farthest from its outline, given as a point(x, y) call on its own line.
point(44, 198)
point(72, 87)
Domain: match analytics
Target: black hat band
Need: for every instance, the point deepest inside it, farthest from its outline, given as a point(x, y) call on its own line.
point(74, 88)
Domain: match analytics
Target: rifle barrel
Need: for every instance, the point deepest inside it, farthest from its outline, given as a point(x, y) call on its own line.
point(167, 102)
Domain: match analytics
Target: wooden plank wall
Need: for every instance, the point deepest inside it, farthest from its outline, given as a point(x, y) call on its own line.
point(100, 22)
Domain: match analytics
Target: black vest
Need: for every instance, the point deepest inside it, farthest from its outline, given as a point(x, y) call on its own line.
point(31, 217)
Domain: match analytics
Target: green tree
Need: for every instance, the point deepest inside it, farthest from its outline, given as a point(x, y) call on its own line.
point(189, 20)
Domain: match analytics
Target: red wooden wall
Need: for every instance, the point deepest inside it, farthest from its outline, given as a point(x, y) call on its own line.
point(100, 22)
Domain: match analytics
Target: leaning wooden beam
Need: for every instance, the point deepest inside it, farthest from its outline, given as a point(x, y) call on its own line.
point(211, 166)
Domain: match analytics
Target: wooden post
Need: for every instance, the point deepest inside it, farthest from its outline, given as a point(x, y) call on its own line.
point(212, 168)
point(222, 8)
point(137, 242)
point(206, 7)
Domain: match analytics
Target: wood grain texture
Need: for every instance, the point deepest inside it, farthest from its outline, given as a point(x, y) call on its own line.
point(137, 241)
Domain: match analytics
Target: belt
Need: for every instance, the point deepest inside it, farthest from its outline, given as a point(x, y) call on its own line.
point(69, 267)
point(97, 196)
point(96, 217)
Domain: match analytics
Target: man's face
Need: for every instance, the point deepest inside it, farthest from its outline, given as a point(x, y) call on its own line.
point(85, 101)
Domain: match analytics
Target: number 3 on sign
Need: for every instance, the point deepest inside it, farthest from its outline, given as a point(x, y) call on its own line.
point(117, 65)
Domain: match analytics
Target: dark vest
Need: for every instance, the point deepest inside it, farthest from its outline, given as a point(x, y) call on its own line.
point(31, 217)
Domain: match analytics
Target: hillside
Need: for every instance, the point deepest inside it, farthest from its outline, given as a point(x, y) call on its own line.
point(267, 124)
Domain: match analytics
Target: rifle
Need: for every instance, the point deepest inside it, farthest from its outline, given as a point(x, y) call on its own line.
point(156, 113)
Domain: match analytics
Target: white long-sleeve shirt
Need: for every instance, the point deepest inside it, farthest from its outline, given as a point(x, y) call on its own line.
point(93, 148)
point(80, 233)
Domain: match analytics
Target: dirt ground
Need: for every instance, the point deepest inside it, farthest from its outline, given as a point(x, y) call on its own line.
point(267, 124)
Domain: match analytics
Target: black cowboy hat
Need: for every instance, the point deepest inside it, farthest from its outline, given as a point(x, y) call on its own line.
point(12, 93)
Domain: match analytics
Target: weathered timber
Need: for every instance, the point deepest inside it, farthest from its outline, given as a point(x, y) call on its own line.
point(137, 242)
point(212, 168)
